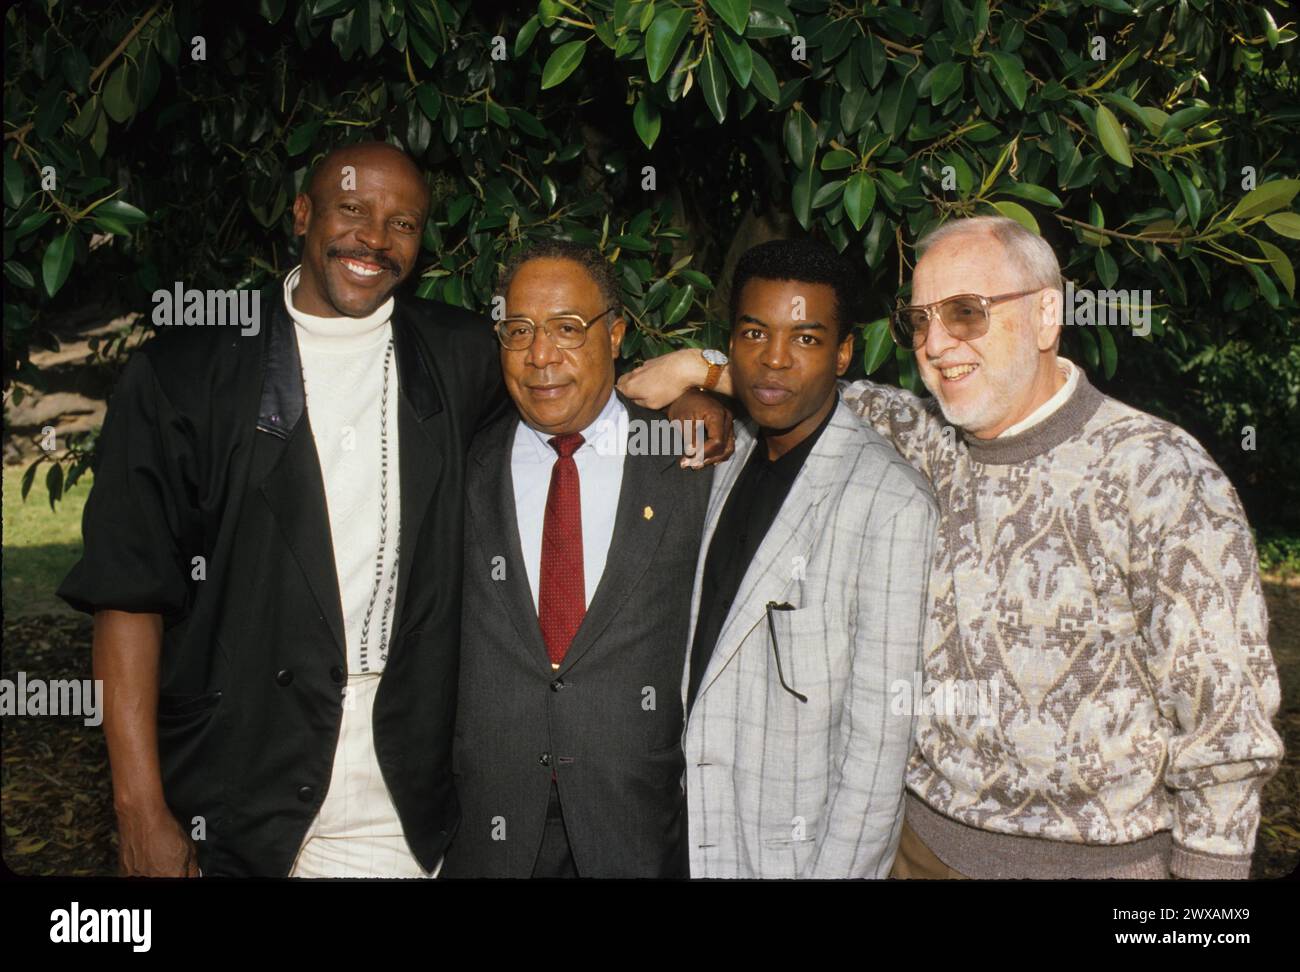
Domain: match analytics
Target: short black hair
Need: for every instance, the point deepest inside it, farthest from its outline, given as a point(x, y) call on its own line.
point(325, 168)
point(586, 256)
point(805, 260)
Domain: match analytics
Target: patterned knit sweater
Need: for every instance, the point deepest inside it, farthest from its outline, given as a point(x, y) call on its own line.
point(1095, 587)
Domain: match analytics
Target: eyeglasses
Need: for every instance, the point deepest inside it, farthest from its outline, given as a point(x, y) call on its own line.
point(964, 316)
point(771, 627)
point(566, 331)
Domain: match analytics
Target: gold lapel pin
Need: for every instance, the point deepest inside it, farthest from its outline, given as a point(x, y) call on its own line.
point(648, 513)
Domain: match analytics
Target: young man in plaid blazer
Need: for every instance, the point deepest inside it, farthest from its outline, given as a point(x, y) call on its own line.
point(809, 602)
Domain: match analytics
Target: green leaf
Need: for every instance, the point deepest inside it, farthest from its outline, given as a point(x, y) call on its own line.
point(31, 224)
point(856, 107)
point(1107, 268)
point(1191, 199)
point(828, 194)
point(1109, 353)
point(1268, 198)
point(1137, 112)
point(1184, 118)
point(1280, 263)
point(526, 122)
point(1035, 194)
point(896, 107)
point(1284, 224)
point(122, 212)
point(859, 198)
point(633, 243)
point(548, 10)
point(801, 196)
point(665, 35)
point(738, 56)
point(877, 345)
point(1019, 213)
point(564, 60)
point(57, 262)
point(120, 92)
point(271, 10)
point(647, 121)
point(301, 138)
point(678, 304)
point(734, 12)
point(1010, 74)
point(837, 159)
point(110, 225)
point(29, 475)
point(524, 39)
point(15, 182)
point(944, 80)
point(1089, 345)
point(1271, 33)
point(800, 140)
point(328, 8)
point(429, 100)
point(1112, 136)
point(18, 274)
point(54, 483)
point(1265, 285)
point(764, 79)
point(713, 80)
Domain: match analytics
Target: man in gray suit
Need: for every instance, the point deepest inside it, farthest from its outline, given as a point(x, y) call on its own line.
point(810, 598)
point(581, 537)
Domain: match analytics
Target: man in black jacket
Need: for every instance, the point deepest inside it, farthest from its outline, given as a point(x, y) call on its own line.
point(252, 574)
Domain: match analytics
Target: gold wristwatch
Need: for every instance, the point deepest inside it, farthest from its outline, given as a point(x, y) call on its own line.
point(716, 361)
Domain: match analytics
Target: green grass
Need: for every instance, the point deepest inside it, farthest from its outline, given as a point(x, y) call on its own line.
point(1279, 553)
point(40, 545)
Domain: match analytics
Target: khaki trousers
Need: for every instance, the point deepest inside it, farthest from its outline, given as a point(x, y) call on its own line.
point(915, 860)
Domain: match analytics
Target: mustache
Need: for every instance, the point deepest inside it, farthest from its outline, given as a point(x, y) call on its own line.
point(379, 259)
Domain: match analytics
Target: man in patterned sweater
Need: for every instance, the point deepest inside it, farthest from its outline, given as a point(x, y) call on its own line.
point(1094, 577)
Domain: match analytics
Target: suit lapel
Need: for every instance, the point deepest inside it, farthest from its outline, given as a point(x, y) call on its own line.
point(645, 504)
point(294, 489)
point(791, 535)
point(496, 523)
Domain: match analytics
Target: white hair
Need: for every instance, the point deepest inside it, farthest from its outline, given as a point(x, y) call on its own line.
point(1030, 253)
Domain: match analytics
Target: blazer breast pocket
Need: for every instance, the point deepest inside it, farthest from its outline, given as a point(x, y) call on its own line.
point(808, 652)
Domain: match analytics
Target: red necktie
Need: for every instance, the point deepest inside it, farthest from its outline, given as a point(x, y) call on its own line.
point(562, 591)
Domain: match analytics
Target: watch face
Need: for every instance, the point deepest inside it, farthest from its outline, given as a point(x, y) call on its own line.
point(714, 357)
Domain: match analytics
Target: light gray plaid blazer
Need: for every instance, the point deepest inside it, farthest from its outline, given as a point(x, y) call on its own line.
point(776, 787)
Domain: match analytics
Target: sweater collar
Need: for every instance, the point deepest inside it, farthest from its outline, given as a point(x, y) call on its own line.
point(335, 333)
point(1043, 436)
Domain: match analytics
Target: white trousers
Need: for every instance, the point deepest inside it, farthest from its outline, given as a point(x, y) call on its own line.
point(357, 833)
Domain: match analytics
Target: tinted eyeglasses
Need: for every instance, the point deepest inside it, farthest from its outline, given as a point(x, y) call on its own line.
point(565, 330)
point(964, 316)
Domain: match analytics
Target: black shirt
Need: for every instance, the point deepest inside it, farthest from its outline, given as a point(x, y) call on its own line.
point(756, 497)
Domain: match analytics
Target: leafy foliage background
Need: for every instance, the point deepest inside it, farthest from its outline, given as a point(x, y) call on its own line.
point(178, 134)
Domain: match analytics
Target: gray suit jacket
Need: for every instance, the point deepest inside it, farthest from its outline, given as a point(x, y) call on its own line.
point(783, 788)
point(609, 721)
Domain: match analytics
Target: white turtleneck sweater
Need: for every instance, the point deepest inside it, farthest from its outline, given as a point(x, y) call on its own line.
point(357, 832)
point(343, 374)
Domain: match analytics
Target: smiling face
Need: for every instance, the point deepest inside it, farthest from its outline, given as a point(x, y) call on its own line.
point(989, 383)
point(785, 357)
point(359, 242)
point(560, 390)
